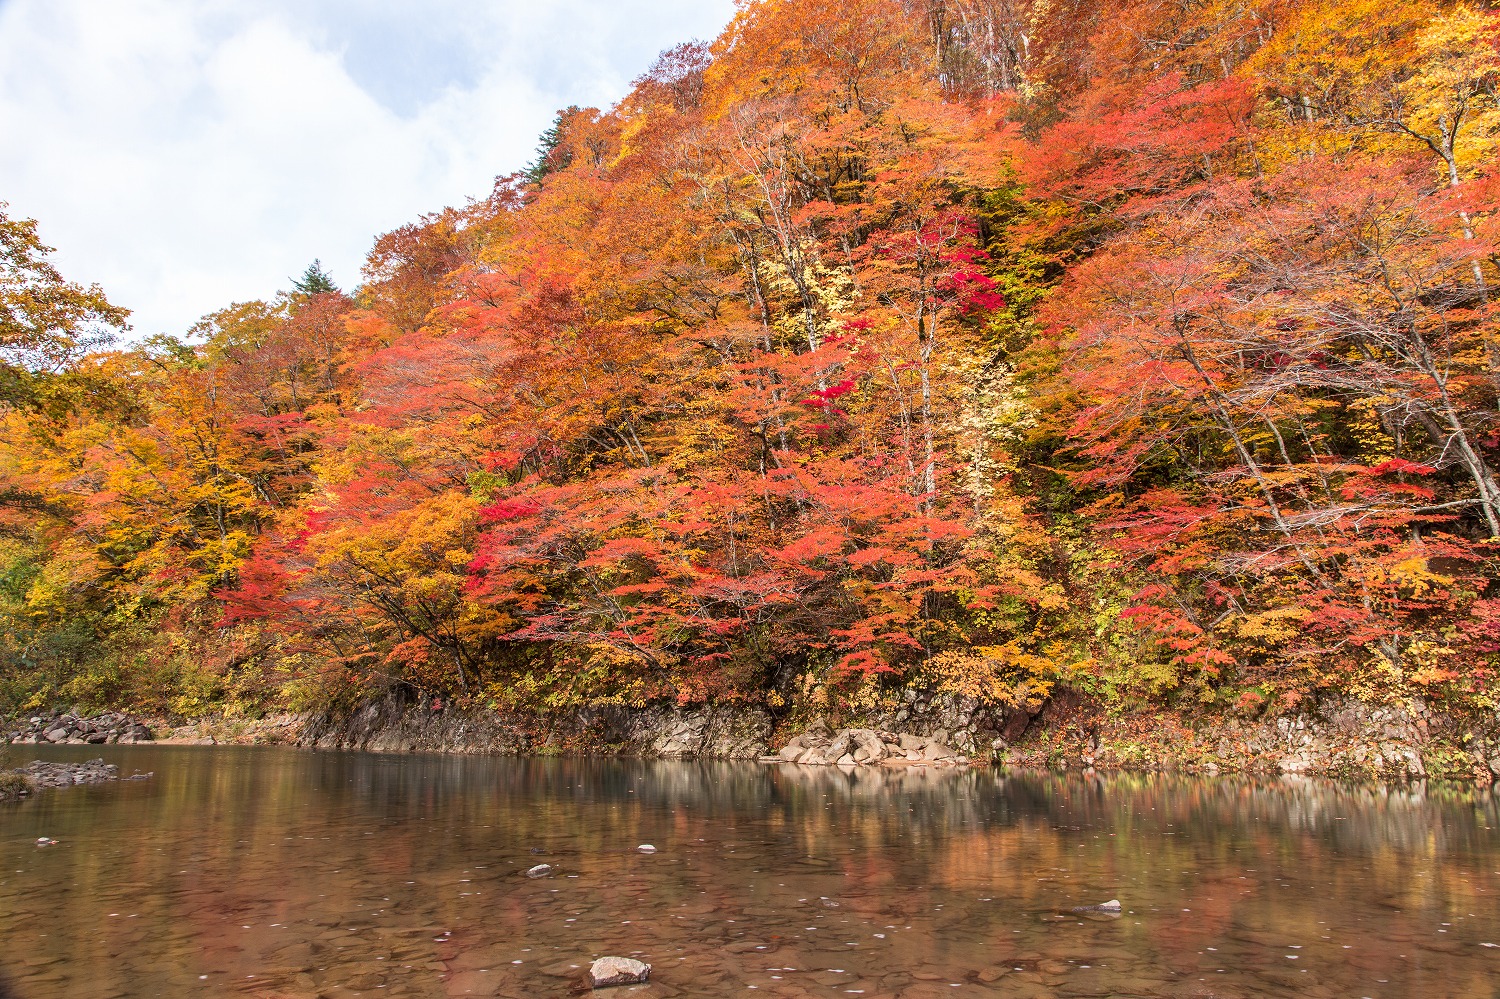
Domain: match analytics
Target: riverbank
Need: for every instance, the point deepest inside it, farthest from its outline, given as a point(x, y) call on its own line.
point(1341, 738)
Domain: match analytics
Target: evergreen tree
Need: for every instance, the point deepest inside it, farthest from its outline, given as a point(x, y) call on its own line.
point(548, 158)
point(314, 281)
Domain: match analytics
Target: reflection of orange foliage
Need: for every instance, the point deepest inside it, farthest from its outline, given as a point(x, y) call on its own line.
point(310, 871)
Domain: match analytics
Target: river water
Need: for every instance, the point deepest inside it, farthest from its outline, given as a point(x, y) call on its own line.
point(280, 873)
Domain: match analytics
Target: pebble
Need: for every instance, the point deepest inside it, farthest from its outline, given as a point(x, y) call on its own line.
point(645, 848)
point(539, 871)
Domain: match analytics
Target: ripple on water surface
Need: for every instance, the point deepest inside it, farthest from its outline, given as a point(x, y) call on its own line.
point(280, 873)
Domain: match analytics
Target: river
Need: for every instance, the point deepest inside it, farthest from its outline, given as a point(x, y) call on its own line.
point(278, 873)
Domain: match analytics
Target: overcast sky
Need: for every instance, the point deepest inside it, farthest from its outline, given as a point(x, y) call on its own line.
point(187, 154)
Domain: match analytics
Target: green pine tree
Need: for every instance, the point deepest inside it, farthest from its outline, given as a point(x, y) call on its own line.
point(314, 281)
point(548, 160)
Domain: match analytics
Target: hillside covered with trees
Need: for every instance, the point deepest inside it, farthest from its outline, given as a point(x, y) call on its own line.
point(989, 346)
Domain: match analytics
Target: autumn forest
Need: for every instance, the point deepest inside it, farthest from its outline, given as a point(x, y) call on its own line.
point(996, 347)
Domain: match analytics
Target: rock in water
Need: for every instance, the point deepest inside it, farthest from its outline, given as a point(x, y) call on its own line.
point(1113, 905)
point(645, 848)
point(44, 774)
point(609, 971)
point(539, 871)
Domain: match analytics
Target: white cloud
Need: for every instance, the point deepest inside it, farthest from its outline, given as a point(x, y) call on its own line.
point(190, 153)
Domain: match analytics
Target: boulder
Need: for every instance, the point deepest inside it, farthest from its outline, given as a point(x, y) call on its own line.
point(865, 747)
point(72, 730)
point(818, 730)
point(608, 971)
point(936, 752)
point(869, 747)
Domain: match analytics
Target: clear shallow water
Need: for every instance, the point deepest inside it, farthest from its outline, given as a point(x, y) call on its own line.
point(280, 873)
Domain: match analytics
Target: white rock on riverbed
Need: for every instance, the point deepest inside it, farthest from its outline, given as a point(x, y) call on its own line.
point(609, 971)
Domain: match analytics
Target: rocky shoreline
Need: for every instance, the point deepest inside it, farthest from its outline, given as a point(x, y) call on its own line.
point(72, 729)
point(1339, 738)
point(819, 746)
point(403, 724)
point(1342, 738)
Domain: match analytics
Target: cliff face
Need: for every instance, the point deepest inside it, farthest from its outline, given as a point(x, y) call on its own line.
point(720, 731)
point(1340, 737)
point(398, 724)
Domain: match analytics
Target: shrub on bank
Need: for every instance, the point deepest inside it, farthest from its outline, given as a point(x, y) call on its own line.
point(12, 784)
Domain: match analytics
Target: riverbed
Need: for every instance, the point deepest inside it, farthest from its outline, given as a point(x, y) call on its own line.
point(279, 872)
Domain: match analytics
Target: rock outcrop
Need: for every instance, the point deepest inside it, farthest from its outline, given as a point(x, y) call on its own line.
point(970, 727)
point(76, 730)
point(401, 724)
point(1339, 737)
point(1345, 736)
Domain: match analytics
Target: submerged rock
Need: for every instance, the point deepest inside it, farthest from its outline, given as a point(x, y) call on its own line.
point(1113, 905)
point(42, 773)
point(609, 971)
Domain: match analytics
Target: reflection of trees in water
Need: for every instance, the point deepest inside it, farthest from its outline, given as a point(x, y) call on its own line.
point(1361, 818)
point(377, 853)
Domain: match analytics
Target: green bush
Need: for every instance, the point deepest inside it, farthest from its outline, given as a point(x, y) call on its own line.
point(12, 784)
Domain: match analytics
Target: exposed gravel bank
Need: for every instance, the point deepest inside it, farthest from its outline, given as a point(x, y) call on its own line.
point(45, 773)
